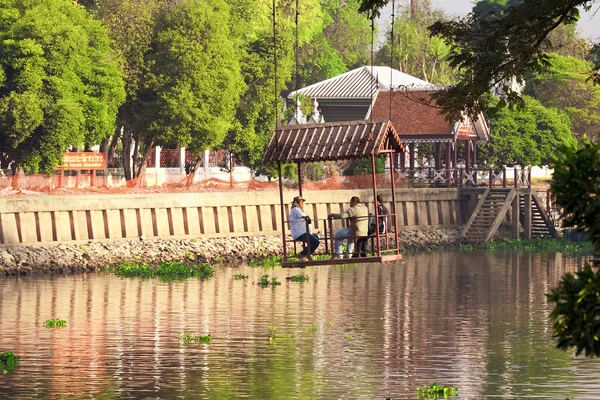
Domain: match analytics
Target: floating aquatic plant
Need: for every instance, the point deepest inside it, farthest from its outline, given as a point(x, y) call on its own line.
point(274, 336)
point(187, 337)
point(266, 281)
point(8, 362)
point(298, 278)
point(165, 270)
point(357, 324)
point(349, 337)
point(312, 328)
point(436, 391)
point(56, 323)
point(239, 277)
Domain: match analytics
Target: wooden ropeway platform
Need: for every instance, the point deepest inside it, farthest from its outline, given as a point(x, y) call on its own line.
point(340, 261)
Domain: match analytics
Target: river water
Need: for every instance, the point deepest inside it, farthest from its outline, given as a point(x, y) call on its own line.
point(474, 320)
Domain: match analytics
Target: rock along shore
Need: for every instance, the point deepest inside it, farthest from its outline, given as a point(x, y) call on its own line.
point(94, 256)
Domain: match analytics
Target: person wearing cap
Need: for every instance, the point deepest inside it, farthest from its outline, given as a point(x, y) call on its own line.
point(298, 222)
point(359, 226)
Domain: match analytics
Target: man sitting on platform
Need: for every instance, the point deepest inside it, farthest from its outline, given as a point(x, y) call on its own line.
point(298, 222)
point(359, 226)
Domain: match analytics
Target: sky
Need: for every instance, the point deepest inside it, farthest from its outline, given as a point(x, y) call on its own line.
point(588, 25)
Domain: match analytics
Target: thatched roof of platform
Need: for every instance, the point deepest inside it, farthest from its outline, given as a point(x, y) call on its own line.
point(332, 141)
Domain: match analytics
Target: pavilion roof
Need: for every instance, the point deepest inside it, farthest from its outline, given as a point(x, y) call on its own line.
point(417, 117)
point(332, 141)
point(360, 83)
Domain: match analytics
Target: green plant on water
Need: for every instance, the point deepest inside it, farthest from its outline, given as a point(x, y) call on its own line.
point(56, 323)
point(266, 262)
point(330, 324)
point(312, 328)
point(436, 391)
point(357, 324)
point(239, 277)
point(165, 270)
point(561, 245)
point(349, 337)
point(8, 362)
point(298, 278)
point(266, 281)
point(273, 336)
point(187, 337)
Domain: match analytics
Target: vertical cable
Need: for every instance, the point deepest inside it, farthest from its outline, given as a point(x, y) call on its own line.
point(296, 50)
point(392, 60)
point(275, 71)
point(372, 76)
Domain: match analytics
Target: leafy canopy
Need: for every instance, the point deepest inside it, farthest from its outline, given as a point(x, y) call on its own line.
point(58, 84)
point(495, 46)
point(530, 136)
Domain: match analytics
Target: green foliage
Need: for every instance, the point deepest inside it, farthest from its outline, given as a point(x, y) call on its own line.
point(415, 51)
point(564, 85)
point(239, 277)
point(526, 137)
point(576, 314)
point(56, 323)
point(273, 336)
point(362, 166)
point(311, 329)
point(194, 79)
point(494, 49)
point(187, 337)
point(266, 281)
point(8, 362)
point(298, 278)
point(267, 262)
point(59, 86)
point(165, 270)
point(436, 391)
point(576, 184)
point(577, 297)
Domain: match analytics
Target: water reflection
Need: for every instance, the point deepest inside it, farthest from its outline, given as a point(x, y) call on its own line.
point(478, 321)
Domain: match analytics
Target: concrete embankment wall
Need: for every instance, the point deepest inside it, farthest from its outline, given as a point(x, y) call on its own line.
point(62, 219)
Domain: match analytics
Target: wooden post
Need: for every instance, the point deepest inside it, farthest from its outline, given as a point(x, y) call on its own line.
point(475, 153)
point(515, 217)
point(411, 161)
point(504, 178)
point(375, 202)
point(395, 220)
point(299, 170)
point(448, 151)
point(282, 213)
point(491, 177)
point(61, 179)
point(468, 151)
point(402, 165)
point(438, 156)
point(527, 220)
point(516, 182)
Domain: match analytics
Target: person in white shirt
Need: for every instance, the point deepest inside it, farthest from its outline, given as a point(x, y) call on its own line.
point(298, 222)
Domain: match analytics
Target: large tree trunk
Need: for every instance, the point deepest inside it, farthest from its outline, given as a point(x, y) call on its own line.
point(143, 147)
point(191, 169)
point(127, 164)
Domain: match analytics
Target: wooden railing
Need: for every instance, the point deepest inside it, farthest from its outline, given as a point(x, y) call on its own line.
point(460, 177)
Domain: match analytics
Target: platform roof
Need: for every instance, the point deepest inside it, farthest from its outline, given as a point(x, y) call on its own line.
point(332, 141)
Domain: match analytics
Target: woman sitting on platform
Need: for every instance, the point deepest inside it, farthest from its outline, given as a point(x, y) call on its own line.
point(298, 222)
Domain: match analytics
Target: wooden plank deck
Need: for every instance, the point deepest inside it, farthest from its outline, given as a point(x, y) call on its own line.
point(341, 261)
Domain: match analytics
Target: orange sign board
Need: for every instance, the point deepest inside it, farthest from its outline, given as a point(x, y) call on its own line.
point(84, 161)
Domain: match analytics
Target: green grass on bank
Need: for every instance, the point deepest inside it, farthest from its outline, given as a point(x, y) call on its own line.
point(165, 270)
point(534, 245)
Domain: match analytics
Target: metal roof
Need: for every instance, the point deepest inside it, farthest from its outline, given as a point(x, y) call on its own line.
point(361, 83)
point(332, 141)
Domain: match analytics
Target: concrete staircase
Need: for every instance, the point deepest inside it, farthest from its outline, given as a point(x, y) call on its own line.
point(488, 215)
point(541, 225)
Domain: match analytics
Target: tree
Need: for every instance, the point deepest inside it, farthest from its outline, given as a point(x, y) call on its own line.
point(194, 79)
point(59, 86)
point(526, 137)
point(415, 52)
point(564, 85)
point(576, 184)
point(492, 50)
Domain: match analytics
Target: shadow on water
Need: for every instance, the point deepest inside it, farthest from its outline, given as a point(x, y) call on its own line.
point(477, 321)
